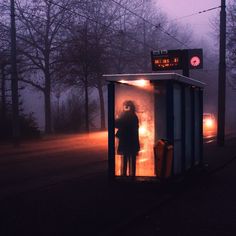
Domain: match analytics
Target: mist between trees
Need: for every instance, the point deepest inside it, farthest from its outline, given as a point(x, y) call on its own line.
point(67, 45)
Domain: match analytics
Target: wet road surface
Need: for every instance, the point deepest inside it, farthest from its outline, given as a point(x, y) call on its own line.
point(59, 186)
point(40, 163)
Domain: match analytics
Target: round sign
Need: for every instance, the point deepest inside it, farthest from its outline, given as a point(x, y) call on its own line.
point(195, 61)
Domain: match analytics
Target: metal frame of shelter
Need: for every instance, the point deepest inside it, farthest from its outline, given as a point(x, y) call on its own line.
point(191, 97)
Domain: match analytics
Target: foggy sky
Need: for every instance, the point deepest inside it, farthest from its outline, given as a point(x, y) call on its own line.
point(200, 23)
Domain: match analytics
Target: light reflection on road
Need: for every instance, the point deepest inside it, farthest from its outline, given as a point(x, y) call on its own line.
point(58, 143)
point(209, 139)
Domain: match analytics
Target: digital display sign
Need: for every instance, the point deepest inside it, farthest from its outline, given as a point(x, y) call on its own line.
point(176, 59)
point(166, 60)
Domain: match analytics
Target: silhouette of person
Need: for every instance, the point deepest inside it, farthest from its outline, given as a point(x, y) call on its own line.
point(127, 125)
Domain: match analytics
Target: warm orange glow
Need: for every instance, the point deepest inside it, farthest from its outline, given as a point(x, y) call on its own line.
point(139, 83)
point(143, 99)
point(166, 62)
point(142, 130)
point(176, 60)
point(209, 125)
point(143, 160)
point(123, 81)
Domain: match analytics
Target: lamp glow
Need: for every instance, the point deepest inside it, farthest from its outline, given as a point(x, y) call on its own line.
point(139, 83)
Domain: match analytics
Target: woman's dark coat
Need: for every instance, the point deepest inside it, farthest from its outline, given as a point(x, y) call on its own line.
point(127, 133)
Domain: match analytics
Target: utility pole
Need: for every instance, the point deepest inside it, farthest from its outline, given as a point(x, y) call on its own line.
point(144, 46)
point(185, 63)
point(222, 77)
point(3, 90)
point(14, 79)
point(86, 81)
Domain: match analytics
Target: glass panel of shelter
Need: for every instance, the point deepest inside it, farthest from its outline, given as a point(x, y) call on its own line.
point(177, 101)
point(160, 109)
point(141, 102)
point(188, 128)
point(197, 126)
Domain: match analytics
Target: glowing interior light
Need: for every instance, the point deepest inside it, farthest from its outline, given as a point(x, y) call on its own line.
point(123, 81)
point(142, 131)
point(142, 151)
point(143, 160)
point(139, 83)
point(209, 123)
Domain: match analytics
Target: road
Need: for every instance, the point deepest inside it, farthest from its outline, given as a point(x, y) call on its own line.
point(58, 186)
point(36, 164)
point(53, 159)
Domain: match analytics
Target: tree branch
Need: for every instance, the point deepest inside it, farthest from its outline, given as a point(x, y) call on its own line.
point(33, 84)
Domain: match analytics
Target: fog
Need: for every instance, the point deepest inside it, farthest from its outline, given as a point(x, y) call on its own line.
point(84, 40)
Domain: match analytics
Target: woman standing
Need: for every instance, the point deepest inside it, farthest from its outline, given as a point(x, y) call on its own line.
point(127, 125)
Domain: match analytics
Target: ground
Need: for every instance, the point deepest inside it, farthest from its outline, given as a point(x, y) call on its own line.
point(59, 186)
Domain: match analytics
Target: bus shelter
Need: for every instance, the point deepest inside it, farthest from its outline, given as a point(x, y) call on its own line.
point(153, 107)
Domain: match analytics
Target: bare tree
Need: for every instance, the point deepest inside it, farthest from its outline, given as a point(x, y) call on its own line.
point(76, 42)
point(86, 54)
point(43, 26)
point(110, 37)
point(231, 43)
point(143, 27)
point(4, 70)
point(76, 60)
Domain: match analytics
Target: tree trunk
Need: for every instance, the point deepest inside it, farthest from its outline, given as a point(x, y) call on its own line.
point(3, 93)
point(14, 80)
point(86, 80)
point(47, 103)
point(47, 107)
point(102, 106)
point(86, 104)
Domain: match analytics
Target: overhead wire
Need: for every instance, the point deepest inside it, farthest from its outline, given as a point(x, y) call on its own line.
point(118, 47)
point(108, 27)
point(194, 14)
point(157, 26)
